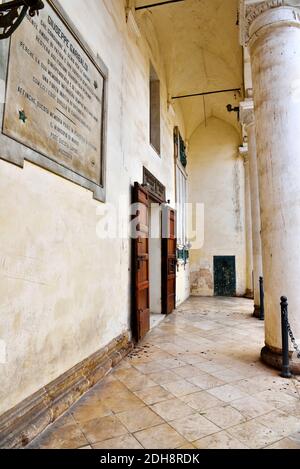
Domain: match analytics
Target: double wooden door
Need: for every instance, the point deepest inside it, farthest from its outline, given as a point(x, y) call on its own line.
point(169, 260)
point(140, 262)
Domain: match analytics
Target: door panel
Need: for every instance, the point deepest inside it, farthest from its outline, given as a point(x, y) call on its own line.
point(140, 265)
point(225, 276)
point(169, 261)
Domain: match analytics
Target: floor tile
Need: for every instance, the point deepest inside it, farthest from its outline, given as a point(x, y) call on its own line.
point(82, 412)
point(201, 401)
point(206, 381)
point(251, 407)
point(154, 395)
point(102, 429)
point(164, 376)
point(187, 446)
point(171, 363)
point(224, 416)
point(295, 437)
point(187, 371)
point(134, 380)
point(285, 443)
point(121, 402)
point(180, 388)
point(209, 367)
point(280, 422)
point(228, 376)
point(220, 440)
point(254, 435)
point(172, 409)
point(61, 436)
point(199, 371)
point(276, 398)
point(227, 393)
point(193, 358)
point(193, 427)
point(121, 442)
point(139, 419)
point(160, 437)
point(152, 367)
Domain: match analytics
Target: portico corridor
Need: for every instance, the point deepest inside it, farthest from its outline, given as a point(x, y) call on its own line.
point(196, 381)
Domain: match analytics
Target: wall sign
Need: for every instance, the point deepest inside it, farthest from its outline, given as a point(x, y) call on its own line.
point(153, 185)
point(55, 99)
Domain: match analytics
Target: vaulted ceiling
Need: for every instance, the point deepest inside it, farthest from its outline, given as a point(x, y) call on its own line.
point(199, 42)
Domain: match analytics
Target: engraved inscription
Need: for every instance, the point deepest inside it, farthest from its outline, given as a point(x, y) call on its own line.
point(54, 96)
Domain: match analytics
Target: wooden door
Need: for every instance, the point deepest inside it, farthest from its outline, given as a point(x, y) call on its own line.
point(169, 261)
point(140, 261)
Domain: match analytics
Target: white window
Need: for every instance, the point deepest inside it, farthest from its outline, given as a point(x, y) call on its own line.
point(181, 199)
point(154, 110)
point(181, 194)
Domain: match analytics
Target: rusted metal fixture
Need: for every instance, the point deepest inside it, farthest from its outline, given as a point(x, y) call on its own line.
point(13, 12)
point(285, 373)
point(262, 299)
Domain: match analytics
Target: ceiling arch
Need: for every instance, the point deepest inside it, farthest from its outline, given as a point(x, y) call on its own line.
point(199, 43)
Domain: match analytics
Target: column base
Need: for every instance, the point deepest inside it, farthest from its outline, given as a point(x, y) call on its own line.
point(249, 294)
point(274, 359)
point(256, 312)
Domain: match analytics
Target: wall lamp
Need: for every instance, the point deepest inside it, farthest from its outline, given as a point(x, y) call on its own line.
point(13, 12)
point(231, 108)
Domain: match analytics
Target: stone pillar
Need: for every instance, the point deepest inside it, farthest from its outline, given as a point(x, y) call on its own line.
point(248, 225)
point(247, 119)
point(272, 32)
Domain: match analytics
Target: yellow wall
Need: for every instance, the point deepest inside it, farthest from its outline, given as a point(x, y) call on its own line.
point(217, 180)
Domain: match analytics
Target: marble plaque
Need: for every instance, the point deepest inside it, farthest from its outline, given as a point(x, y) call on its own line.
point(55, 95)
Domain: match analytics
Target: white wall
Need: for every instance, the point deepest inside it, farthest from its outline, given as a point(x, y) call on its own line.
point(217, 180)
point(65, 292)
point(183, 283)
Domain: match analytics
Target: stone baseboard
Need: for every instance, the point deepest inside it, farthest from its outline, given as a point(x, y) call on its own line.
point(20, 425)
point(249, 294)
point(274, 359)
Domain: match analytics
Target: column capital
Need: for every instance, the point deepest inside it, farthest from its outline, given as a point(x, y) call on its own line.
point(243, 152)
point(247, 117)
point(255, 14)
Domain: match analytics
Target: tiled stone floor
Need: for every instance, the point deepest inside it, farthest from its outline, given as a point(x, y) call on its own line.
point(195, 382)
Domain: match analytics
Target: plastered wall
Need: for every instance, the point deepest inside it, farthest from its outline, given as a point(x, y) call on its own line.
point(64, 292)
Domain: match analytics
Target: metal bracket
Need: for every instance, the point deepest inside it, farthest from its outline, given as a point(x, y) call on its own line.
point(12, 14)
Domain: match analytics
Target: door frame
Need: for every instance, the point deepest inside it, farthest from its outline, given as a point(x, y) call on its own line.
point(156, 200)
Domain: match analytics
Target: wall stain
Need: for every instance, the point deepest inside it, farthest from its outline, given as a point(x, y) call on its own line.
point(236, 198)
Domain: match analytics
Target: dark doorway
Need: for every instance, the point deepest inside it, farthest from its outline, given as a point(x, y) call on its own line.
point(169, 261)
point(225, 276)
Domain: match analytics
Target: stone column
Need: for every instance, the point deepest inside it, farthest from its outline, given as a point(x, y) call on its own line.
point(248, 225)
point(272, 32)
point(247, 119)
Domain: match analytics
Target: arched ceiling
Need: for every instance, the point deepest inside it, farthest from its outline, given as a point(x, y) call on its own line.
point(199, 42)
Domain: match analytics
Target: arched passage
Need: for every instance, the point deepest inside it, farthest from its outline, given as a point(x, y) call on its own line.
point(216, 180)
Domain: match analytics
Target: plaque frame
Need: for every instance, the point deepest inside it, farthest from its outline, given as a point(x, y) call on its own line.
point(16, 152)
